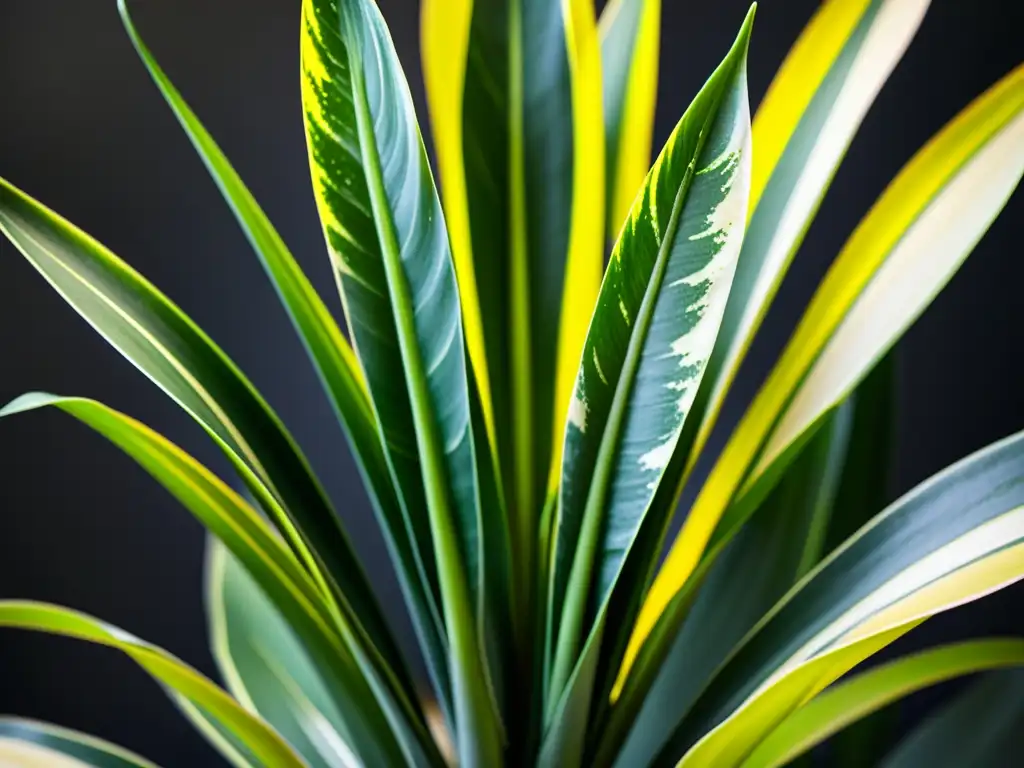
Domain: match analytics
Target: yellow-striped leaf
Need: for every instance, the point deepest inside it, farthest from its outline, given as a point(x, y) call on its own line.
point(31, 744)
point(904, 251)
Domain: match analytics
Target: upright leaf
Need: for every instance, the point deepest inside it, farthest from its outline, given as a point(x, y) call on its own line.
point(263, 743)
point(384, 225)
point(29, 742)
point(630, 41)
point(802, 130)
point(904, 251)
point(514, 89)
point(160, 340)
point(408, 543)
point(655, 323)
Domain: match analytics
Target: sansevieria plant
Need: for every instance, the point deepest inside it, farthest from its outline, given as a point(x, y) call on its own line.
point(524, 426)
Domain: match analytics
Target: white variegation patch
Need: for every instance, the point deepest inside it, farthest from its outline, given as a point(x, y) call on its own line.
point(658, 457)
point(578, 411)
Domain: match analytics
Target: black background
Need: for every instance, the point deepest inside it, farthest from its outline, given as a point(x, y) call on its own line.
point(83, 129)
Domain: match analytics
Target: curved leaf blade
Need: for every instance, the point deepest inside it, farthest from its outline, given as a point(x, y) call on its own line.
point(157, 337)
point(364, 140)
point(267, 669)
point(656, 320)
point(956, 537)
point(333, 358)
point(812, 110)
point(904, 251)
point(981, 727)
point(630, 40)
point(371, 702)
point(263, 742)
point(29, 742)
point(869, 691)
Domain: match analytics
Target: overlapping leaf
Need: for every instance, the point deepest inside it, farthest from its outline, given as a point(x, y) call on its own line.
point(265, 746)
point(164, 344)
point(869, 691)
point(384, 226)
point(903, 252)
point(29, 742)
point(955, 538)
point(383, 724)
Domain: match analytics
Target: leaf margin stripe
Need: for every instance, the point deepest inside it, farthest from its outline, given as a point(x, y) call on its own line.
point(10, 727)
point(161, 665)
point(856, 697)
point(742, 450)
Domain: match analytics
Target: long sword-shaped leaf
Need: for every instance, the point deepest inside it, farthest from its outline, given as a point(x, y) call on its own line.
point(368, 700)
point(264, 744)
point(870, 691)
point(983, 727)
point(656, 320)
point(267, 669)
point(801, 131)
point(515, 96)
point(409, 544)
point(655, 323)
point(953, 539)
point(161, 341)
point(904, 251)
point(29, 743)
point(383, 219)
point(630, 40)
point(759, 566)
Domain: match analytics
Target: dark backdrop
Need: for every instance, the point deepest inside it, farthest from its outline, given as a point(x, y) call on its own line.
point(82, 128)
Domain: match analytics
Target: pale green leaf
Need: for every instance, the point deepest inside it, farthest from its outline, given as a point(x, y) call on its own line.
point(29, 743)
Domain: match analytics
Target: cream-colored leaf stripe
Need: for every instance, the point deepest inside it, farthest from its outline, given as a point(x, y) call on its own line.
point(940, 165)
point(23, 752)
point(849, 701)
point(980, 562)
point(806, 74)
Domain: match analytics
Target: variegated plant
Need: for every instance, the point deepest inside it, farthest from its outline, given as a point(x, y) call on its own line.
point(524, 428)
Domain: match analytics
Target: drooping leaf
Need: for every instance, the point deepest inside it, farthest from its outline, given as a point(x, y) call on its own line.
point(29, 742)
point(262, 742)
point(956, 537)
point(869, 691)
point(375, 708)
point(266, 668)
point(515, 96)
point(802, 130)
point(338, 369)
point(983, 727)
point(904, 251)
point(157, 337)
point(630, 40)
point(384, 225)
point(654, 325)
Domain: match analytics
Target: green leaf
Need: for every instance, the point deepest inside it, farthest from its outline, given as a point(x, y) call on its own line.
point(904, 251)
point(370, 701)
point(338, 369)
point(265, 666)
point(981, 727)
point(956, 537)
point(802, 130)
point(264, 744)
point(154, 335)
point(776, 544)
point(515, 96)
point(655, 322)
point(869, 691)
point(384, 225)
point(29, 742)
point(630, 40)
